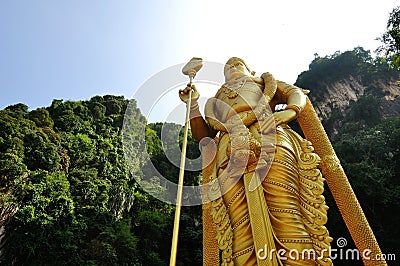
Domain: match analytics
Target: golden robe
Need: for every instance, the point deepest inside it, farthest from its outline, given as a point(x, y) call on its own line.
point(292, 210)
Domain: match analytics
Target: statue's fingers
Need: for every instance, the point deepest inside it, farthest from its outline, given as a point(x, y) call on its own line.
point(267, 125)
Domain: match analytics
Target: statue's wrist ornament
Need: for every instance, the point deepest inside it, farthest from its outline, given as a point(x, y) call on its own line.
point(295, 108)
point(194, 105)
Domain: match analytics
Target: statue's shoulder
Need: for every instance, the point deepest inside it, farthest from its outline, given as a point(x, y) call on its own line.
point(219, 92)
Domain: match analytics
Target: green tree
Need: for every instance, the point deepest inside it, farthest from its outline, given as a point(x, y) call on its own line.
point(371, 161)
point(40, 232)
point(41, 117)
point(74, 201)
point(81, 149)
point(40, 152)
point(366, 109)
point(19, 110)
point(390, 49)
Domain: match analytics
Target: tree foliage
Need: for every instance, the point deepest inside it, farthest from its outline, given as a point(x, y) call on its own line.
point(371, 160)
point(67, 196)
point(390, 48)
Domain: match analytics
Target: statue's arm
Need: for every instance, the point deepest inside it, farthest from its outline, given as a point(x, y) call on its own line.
point(293, 96)
point(200, 128)
point(280, 92)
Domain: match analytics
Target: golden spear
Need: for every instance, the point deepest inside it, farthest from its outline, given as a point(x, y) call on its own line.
point(340, 187)
point(189, 69)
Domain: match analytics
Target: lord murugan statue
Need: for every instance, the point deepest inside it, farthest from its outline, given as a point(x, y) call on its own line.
point(266, 204)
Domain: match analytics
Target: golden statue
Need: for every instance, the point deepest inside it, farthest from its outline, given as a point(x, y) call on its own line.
point(267, 206)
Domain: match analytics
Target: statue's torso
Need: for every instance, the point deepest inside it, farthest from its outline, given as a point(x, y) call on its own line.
point(239, 96)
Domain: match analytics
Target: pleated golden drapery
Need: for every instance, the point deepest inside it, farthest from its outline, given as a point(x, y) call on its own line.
point(293, 207)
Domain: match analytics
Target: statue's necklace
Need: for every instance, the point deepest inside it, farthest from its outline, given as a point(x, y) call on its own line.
point(232, 89)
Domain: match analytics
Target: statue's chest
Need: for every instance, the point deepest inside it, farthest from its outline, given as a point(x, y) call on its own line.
point(237, 97)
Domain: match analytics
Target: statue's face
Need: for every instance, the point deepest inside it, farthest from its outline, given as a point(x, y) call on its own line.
point(235, 69)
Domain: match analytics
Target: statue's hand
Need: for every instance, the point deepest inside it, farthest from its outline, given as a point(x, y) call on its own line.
point(284, 116)
point(269, 81)
point(280, 118)
point(184, 94)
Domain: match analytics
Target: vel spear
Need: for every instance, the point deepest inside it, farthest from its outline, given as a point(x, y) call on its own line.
point(190, 69)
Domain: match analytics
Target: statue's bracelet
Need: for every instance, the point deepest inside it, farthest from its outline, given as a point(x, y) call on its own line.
point(295, 108)
point(194, 105)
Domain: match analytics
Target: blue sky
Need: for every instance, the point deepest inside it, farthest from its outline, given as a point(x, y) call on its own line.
point(76, 49)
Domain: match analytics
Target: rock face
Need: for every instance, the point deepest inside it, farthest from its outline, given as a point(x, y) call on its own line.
point(390, 104)
point(337, 95)
point(352, 87)
point(340, 94)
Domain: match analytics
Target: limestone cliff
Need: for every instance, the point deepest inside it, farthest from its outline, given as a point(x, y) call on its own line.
point(351, 89)
point(340, 94)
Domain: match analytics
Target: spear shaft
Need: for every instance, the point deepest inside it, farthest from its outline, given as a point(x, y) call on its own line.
point(174, 247)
